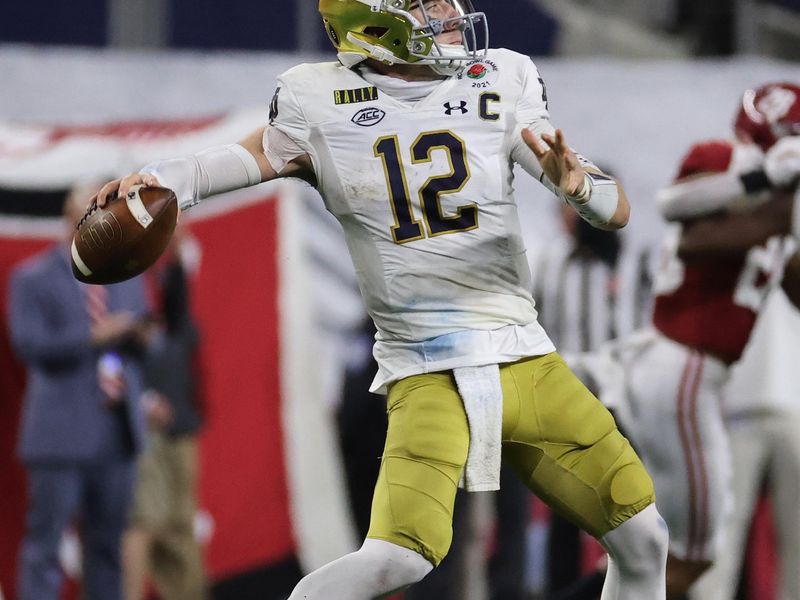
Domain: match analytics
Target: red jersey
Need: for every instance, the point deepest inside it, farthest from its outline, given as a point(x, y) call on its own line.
point(712, 306)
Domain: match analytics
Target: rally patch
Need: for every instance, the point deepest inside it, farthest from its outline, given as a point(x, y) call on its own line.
point(365, 94)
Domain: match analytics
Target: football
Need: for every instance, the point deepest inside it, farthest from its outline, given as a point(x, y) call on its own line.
point(126, 236)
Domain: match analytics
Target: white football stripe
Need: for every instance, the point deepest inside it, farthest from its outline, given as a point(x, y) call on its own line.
point(136, 206)
point(76, 258)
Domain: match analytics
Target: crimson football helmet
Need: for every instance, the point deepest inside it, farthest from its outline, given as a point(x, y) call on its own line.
point(769, 113)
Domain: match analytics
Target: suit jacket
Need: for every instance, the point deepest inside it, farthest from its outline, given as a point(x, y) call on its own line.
point(170, 367)
point(64, 416)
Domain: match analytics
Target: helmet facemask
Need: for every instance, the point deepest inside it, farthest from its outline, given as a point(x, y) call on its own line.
point(448, 59)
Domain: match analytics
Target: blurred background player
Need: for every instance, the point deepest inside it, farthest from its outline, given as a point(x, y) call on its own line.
point(82, 424)
point(761, 405)
point(717, 267)
point(159, 544)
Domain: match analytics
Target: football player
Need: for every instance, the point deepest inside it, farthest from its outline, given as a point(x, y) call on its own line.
point(411, 137)
point(721, 260)
point(767, 129)
point(760, 398)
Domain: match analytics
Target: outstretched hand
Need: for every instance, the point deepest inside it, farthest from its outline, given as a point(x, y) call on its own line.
point(559, 163)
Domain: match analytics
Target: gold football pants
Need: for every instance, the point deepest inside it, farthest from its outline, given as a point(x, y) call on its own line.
point(557, 436)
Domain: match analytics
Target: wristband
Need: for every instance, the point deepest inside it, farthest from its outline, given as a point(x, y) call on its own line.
point(755, 181)
point(597, 201)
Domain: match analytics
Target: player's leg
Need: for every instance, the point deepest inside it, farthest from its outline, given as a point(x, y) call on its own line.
point(677, 427)
point(636, 557)
point(784, 476)
point(377, 569)
point(565, 445)
point(749, 439)
point(412, 511)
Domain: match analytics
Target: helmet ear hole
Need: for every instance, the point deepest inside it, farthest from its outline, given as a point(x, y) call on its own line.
point(376, 32)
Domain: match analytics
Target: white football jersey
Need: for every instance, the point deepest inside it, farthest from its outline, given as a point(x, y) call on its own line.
point(423, 191)
point(767, 378)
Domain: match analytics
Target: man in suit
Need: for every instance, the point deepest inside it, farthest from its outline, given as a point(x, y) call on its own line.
point(81, 422)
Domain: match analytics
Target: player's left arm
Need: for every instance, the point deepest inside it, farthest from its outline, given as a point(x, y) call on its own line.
point(542, 151)
point(597, 197)
point(733, 234)
point(750, 173)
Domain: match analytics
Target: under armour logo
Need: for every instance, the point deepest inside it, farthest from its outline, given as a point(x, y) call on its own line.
point(462, 106)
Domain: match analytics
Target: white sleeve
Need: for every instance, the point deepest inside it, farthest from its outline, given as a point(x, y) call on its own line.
point(532, 104)
point(209, 172)
point(279, 148)
point(699, 196)
point(286, 114)
point(532, 113)
point(713, 192)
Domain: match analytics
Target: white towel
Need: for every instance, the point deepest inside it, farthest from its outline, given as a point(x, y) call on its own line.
point(482, 395)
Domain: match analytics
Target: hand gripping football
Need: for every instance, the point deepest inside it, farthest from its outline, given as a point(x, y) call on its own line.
point(122, 239)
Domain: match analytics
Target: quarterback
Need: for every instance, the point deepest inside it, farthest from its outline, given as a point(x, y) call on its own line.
point(411, 138)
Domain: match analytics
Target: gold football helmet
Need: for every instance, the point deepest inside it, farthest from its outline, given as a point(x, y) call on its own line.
point(406, 32)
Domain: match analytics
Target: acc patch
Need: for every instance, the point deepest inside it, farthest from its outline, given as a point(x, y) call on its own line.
point(356, 96)
point(480, 73)
point(367, 117)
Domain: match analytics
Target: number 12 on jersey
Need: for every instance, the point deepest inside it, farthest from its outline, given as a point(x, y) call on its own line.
point(406, 227)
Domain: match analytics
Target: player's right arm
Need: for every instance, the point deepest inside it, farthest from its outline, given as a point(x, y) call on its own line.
point(280, 149)
point(264, 155)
